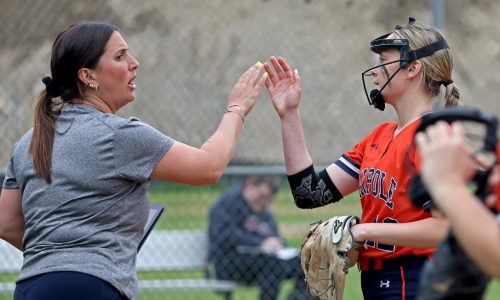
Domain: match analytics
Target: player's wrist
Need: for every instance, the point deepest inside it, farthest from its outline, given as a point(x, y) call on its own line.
point(359, 233)
point(292, 114)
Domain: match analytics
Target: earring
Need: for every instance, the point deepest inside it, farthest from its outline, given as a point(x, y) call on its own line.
point(92, 86)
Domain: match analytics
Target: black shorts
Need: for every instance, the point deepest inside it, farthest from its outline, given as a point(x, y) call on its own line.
point(397, 280)
point(65, 286)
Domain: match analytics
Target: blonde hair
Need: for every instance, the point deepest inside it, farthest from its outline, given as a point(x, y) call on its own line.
point(437, 68)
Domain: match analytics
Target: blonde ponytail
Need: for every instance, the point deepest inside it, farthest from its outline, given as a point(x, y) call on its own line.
point(452, 95)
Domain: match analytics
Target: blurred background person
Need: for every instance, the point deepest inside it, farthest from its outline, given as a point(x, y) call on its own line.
point(245, 244)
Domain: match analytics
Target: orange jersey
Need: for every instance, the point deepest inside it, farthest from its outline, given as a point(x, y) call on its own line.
point(380, 163)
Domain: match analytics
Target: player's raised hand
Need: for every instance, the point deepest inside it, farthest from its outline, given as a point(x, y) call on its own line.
point(284, 86)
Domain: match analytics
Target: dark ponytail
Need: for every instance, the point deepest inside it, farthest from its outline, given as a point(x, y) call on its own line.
point(79, 46)
point(43, 136)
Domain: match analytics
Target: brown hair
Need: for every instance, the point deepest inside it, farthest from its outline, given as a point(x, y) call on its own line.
point(274, 182)
point(79, 46)
point(437, 68)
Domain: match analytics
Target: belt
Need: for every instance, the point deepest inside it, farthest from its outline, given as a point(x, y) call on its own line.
point(371, 264)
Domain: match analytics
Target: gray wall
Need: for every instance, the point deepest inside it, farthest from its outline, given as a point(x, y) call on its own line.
point(192, 52)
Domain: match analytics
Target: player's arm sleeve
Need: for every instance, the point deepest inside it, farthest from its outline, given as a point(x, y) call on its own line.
point(312, 190)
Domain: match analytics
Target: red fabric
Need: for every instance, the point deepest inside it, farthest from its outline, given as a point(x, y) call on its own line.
point(384, 176)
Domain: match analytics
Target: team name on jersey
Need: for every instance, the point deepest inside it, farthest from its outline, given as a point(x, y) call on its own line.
point(373, 182)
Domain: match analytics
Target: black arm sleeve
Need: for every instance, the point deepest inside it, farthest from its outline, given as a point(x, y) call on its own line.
point(310, 190)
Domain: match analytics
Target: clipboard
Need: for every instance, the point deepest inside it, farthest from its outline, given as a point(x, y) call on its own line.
point(155, 212)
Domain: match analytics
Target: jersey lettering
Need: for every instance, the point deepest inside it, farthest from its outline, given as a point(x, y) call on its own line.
point(393, 187)
point(382, 192)
point(373, 181)
point(376, 177)
point(382, 184)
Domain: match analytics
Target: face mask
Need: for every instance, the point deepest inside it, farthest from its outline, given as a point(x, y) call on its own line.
point(407, 55)
point(481, 137)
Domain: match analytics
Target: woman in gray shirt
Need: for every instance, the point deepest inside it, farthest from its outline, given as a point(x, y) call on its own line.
point(74, 195)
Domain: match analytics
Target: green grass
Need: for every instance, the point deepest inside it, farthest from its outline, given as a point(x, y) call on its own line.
point(187, 208)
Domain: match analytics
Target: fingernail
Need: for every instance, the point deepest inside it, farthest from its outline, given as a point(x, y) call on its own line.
point(296, 71)
point(265, 75)
point(258, 64)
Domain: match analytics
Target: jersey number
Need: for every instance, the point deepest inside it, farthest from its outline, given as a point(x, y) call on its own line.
point(380, 246)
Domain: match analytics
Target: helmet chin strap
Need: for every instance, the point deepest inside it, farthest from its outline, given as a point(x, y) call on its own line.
point(377, 100)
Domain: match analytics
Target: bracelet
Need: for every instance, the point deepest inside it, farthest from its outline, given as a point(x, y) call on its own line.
point(228, 109)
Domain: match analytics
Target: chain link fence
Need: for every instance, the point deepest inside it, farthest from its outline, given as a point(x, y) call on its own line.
point(192, 52)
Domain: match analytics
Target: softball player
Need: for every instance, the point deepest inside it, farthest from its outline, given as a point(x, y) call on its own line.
point(413, 62)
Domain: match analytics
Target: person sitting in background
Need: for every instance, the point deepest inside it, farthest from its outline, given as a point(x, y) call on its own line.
point(244, 241)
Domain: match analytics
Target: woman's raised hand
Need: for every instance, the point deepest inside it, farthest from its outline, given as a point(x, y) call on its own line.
point(284, 86)
point(244, 94)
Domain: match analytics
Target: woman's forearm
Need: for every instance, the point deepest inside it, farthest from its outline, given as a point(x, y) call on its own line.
point(220, 146)
point(205, 165)
point(297, 156)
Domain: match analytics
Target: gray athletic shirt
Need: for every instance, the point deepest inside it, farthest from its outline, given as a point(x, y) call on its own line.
point(91, 218)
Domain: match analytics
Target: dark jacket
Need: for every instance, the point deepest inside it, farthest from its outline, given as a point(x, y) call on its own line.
point(232, 224)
